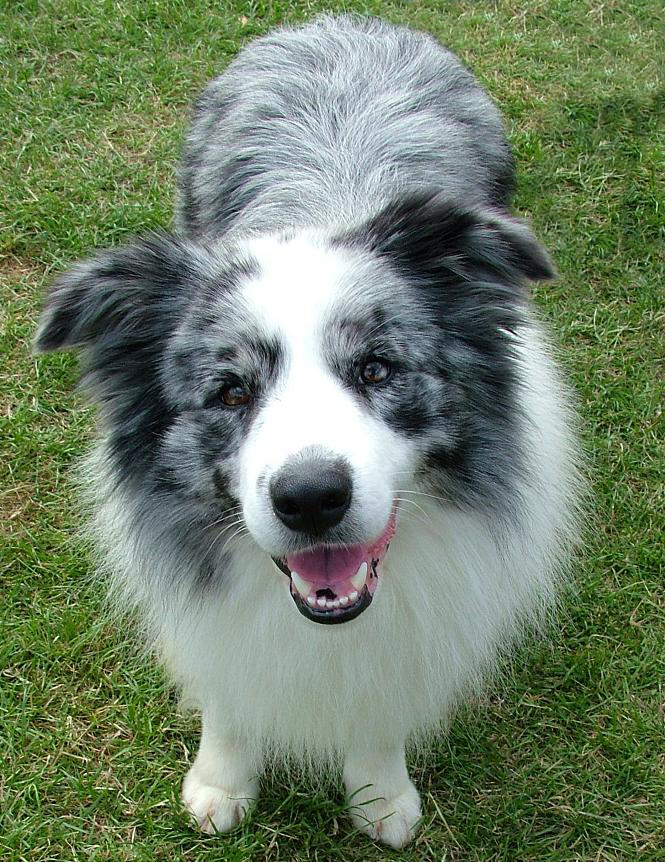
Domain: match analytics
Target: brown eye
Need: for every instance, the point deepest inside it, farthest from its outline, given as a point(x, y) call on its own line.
point(235, 395)
point(375, 371)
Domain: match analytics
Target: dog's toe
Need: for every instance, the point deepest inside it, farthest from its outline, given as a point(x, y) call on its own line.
point(215, 809)
point(391, 821)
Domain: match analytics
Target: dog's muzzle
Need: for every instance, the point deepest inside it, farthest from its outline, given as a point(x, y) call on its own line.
point(333, 585)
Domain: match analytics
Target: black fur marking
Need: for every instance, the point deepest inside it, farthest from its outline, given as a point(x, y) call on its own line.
point(121, 307)
point(213, 349)
point(429, 237)
point(453, 388)
point(124, 308)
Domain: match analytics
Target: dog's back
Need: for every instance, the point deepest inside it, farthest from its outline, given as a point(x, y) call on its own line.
point(325, 123)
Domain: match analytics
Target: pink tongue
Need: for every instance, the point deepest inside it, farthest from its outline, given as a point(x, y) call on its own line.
point(333, 565)
point(328, 565)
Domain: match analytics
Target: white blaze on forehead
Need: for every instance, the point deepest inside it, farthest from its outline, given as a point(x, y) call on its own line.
point(299, 286)
point(299, 283)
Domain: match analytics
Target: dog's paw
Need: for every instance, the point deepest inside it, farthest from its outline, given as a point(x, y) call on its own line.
point(392, 821)
point(214, 808)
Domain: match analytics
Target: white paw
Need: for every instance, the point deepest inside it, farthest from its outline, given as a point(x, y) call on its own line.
point(213, 808)
point(392, 821)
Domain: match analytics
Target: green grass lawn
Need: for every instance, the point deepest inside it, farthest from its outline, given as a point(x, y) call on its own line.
point(566, 761)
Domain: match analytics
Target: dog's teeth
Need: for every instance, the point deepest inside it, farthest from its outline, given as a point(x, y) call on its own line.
point(353, 596)
point(303, 586)
point(321, 603)
point(336, 603)
point(329, 605)
point(311, 601)
point(358, 580)
point(343, 600)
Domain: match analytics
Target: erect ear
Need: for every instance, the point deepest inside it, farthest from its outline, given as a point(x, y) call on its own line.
point(430, 236)
point(120, 292)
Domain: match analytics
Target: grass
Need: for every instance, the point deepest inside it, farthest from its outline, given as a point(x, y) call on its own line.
point(567, 760)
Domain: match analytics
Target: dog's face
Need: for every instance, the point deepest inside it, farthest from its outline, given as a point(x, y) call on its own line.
point(310, 370)
point(300, 385)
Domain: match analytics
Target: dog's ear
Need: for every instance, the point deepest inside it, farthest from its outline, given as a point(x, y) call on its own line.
point(429, 236)
point(120, 293)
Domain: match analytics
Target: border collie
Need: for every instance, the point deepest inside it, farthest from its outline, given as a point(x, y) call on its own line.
point(335, 473)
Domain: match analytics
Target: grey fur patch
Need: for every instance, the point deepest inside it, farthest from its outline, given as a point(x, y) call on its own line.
point(326, 123)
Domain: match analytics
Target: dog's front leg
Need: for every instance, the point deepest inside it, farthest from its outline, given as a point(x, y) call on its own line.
point(383, 802)
point(222, 782)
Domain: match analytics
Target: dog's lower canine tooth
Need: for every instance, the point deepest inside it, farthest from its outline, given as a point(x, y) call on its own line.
point(358, 579)
point(303, 586)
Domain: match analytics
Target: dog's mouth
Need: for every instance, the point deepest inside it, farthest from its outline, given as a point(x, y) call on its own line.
point(335, 585)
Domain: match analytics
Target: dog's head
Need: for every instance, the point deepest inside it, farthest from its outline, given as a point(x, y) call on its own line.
point(302, 385)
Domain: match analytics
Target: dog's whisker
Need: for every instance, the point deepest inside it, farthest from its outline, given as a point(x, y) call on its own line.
point(225, 517)
point(421, 493)
point(227, 524)
point(216, 540)
point(241, 531)
point(235, 523)
point(426, 517)
point(410, 515)
point(417, 505)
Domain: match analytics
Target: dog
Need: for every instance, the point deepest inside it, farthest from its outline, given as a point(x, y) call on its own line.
point(336, 470)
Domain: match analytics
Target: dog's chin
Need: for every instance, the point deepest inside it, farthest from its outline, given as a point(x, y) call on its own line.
point(332, 585)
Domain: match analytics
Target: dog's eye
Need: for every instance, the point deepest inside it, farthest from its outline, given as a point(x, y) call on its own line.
point(235, 395)
point(375, 371)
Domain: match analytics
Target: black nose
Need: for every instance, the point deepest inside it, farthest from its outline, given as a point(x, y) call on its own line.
point(312, 496)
